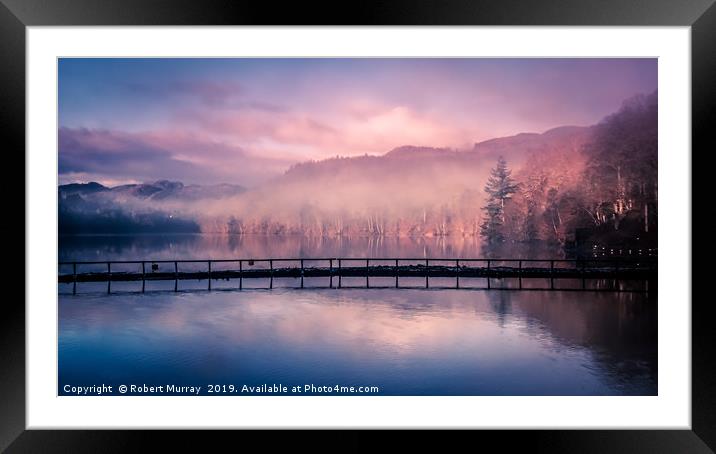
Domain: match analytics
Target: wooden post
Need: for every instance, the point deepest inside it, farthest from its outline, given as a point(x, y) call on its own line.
point(271, 268)
point(143, 277)
point(109, 277)
point(209, 273)
point(301, 273)
point(330, 273)
point(427, 264)
point(241, 274)
point(488, 274)
point(340, 274)
point(176, 276)
point(367, 272)
point(520, 275)
point(457, 273)
point(397, 273)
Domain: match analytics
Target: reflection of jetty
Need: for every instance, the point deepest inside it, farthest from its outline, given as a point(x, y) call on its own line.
point(335, 269)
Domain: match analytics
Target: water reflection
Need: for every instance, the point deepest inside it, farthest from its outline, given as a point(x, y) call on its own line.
point(412, 342)
point(201, 246)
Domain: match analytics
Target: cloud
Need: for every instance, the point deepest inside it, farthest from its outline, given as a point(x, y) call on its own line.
point(355, 128)
point(120, 156)
point(225, 118)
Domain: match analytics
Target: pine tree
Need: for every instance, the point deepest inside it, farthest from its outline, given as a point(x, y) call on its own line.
point(499, 188)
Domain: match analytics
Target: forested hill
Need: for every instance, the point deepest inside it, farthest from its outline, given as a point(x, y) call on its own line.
point(607, 197)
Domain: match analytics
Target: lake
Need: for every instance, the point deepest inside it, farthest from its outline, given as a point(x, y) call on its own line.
point(402, 341)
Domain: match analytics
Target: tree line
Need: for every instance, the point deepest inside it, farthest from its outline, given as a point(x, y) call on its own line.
point(606, 193)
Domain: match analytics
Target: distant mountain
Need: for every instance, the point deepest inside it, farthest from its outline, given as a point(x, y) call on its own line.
point(412, 152)
point(516, 149)
point(81, 188)
point(134, 208)
point(158, 190)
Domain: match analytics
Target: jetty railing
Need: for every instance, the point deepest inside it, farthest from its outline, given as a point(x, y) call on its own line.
point(644, 269)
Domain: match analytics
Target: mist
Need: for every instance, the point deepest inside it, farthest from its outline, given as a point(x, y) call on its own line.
point(408, 191)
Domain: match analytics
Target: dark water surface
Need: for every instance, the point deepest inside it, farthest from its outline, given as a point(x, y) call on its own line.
point(405, 342)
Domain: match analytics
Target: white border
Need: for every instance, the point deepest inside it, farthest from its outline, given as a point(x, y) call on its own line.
point(670, 409)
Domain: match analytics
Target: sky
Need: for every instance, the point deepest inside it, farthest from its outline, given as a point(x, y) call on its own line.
point(244, 121)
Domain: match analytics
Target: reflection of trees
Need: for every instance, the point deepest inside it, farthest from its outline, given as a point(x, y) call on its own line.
point(618, 329)
point(532, 250)
point(192, 246)
point(235, 242)
point(501, 302)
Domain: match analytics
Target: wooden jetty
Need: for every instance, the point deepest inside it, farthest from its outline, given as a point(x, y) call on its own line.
point(641, 269)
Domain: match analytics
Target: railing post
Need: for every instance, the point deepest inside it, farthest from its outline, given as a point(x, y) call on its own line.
point(427, 264)
point(209, 273)
point(144, 276)
point(367, 272)
point(301, 273)
point(176, 276)
point(457, 273)
point(109, 277)
point(330, 273)
point(241, 274)
point(397, 273)
point(520, 275)
point(488, 274)
point(340, 273)
point(271, 268)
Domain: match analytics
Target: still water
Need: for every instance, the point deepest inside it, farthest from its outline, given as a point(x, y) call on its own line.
point(404, 342)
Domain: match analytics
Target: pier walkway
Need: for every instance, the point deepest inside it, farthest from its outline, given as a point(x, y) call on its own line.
point(336, 269)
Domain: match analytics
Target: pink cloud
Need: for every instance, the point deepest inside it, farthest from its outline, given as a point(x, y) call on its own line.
point(364, 127)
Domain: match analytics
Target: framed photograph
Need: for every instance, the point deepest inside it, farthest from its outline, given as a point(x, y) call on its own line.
point(410, 217)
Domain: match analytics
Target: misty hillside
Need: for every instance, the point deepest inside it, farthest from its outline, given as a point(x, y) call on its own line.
point(407, 191)
point(516, 148)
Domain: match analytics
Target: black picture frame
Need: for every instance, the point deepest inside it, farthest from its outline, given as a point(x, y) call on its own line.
point(16, 15)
